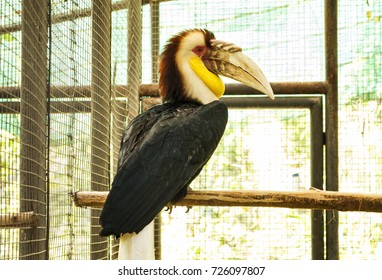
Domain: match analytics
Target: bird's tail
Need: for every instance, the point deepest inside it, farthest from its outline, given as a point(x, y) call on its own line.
point(137, 246)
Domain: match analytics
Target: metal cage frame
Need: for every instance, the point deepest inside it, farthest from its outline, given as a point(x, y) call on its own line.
point(35, 237)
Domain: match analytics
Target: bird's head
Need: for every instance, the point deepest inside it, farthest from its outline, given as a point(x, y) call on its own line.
point(191, 62)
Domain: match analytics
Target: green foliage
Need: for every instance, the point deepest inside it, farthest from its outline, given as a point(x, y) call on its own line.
point(7, 37)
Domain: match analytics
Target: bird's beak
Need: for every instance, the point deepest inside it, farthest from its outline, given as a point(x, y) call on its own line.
point(228, 60)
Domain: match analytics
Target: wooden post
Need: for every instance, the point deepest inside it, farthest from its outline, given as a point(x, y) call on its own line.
point(33, 124)
point(100, 116)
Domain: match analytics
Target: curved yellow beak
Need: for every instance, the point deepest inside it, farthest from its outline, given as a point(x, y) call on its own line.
point(227, 59)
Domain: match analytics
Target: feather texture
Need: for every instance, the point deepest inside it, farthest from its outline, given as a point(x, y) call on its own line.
point(162, 151)
point(171, 81)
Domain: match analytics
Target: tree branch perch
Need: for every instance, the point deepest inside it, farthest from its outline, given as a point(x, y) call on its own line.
point(311, 199)
point(18, 220)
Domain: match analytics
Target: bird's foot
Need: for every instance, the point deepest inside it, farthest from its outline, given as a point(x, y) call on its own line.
point(188, 209)
point(169, 209)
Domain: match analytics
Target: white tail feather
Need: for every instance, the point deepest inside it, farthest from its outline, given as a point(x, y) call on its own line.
point(137, 246)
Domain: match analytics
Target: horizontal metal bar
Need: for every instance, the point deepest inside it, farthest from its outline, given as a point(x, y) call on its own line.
point(59, 18)
point(9, 92)
point(151, 90)
point(75, 106)
point(62, 91)
point(84, 106)
point(4, 29)
point(58, 92)
point(265, 102)
point(303, 88)
point(10, 107)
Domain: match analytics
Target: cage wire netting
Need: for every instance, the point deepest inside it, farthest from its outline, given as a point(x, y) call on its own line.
point(360, 118)
point(256, 142)
point(49, 135)
point(10, 132)
point(69, 64)
point(261, 149)
point(70, 132)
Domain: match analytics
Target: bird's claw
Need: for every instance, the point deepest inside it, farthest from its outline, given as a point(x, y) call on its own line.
point(169, 209)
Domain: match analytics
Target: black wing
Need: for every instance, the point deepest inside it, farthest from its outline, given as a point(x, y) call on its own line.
point(162, 151)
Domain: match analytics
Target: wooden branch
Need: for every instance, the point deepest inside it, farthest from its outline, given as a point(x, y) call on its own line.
point(311, 199)
point(90, 199)
point(18, 220)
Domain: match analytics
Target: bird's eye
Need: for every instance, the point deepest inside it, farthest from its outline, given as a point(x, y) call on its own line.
point(199, 50)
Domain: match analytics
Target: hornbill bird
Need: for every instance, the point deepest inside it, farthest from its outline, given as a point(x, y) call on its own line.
point(166, 147)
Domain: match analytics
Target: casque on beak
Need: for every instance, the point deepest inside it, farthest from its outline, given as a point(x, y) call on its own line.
point(227, 59)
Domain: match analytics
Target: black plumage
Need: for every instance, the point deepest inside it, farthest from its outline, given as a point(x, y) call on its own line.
point(162, 151)
point(165, 148)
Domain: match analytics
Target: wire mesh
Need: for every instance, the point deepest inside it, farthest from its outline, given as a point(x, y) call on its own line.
point(70, 134)
point(360, 92)
point(66, 63)
point(119, 73)
point(10, 49)
point(286, 38)
point(46, 119)
point(256, 143)
point(261, 149)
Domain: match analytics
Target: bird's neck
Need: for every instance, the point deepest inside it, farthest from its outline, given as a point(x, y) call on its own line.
point(194, 87)
point(211, 80)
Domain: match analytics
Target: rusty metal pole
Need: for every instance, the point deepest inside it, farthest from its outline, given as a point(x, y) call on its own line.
point(332, 181)
point(317, 177)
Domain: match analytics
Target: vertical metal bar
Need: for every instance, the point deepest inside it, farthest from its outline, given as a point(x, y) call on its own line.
point(154, 12)
point(100, 116)
point(118, 114)
point(33, 121)
point(131, 248)
point(134, 56)
point(317, 173)
point(316, 114)
point(332, 181)
point(48, 127)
